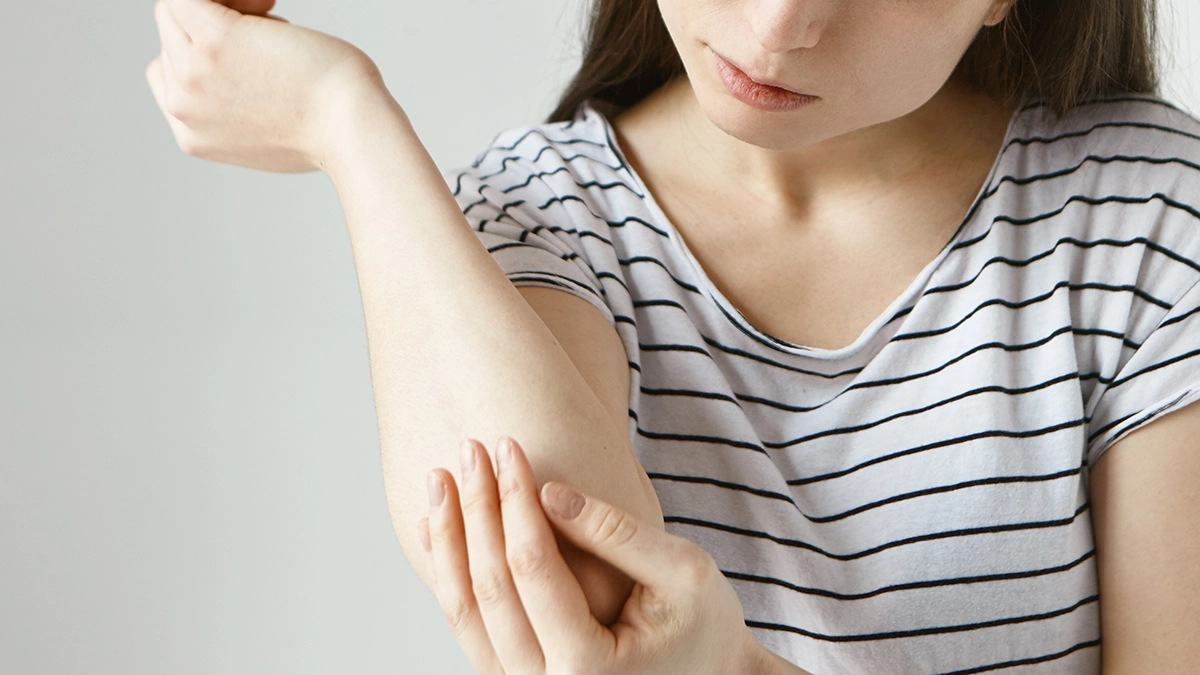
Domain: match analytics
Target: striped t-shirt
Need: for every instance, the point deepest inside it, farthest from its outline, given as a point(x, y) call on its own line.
point(916, 502)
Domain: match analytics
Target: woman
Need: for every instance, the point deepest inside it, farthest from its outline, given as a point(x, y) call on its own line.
point(876, 351)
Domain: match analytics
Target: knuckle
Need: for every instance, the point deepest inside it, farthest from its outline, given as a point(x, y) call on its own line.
point(191, 147)
point(177, 107)
point(529, 562)
point(615, 528)
point(209, 47)
point(188, 79)
point(490, 590)
point(457, 611)
point(477, 503)
point(696, 567)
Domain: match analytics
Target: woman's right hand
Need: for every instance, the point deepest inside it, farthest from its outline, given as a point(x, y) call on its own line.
point(242, 88)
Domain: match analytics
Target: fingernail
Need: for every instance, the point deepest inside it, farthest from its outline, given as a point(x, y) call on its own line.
point(437, 492)
point(423, 534)
point(563, 501)
point(466, 455)
point(503, 453)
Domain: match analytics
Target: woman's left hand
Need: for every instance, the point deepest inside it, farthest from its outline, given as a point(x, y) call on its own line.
point(517, 609)
point(240, 87)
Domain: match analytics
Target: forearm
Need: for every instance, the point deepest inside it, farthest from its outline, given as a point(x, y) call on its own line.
point(455, 350)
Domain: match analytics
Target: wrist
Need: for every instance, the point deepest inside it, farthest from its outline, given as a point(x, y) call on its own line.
point(358, 119)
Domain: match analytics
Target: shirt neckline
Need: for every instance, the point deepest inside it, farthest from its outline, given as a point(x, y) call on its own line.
point(738, 320)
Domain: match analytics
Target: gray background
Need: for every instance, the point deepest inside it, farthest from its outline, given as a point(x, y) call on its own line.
point(189, 473)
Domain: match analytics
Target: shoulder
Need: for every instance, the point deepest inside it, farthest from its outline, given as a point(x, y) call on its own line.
point(1131, 159)
point(1118, 134)
point(533, 169)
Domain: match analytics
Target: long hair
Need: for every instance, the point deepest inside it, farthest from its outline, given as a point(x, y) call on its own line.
point(1064, 52)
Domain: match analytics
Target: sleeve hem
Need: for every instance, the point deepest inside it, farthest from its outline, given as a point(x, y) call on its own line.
point(586, 294)
point(1167, 405)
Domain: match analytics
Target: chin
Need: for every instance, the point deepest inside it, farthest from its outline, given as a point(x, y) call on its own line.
point(770, 130)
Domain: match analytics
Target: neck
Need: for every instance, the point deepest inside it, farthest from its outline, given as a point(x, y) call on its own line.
point(678, 144)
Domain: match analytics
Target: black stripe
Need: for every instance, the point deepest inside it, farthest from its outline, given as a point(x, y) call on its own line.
point(1026, 662)
point(920, 632)
point(994, 480)
point(501, 207)
point(1135, 159)
point(633, 219)
point(1012, 391)
point(602, 275)
point(527, 134)
point(1161, 364)
point(559, 284)
point(638, 304)
point(506, 160)
point(865, 384)
point(537, 275)
point(1020, 304)
point(703, 480)
point(689, 393)
point(458, 183)
point(967, 438)
point(514, 244)
point(933, 536)
point(650, 259)
point(588, 185)
point(1103, 125)
point(689, 438)
point(913, 585)
point(1090, 201)
point(942, 489)
point(1092, 436)
point(1078, 243)
point(1177, 319)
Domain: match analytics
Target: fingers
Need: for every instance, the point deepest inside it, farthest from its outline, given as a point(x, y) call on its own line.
point(175, 40)
point(444, 539)
point(499, 604)
point(650, 556)
point(554, 602)
point(200, 19)
point(157, 74)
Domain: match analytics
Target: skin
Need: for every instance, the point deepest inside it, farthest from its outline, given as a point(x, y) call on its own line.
point(890, 131)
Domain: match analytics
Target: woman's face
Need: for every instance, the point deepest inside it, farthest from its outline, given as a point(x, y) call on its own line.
point(866, 61)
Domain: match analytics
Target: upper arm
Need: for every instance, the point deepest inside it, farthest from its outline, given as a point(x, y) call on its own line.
point(595, 348)
point(1145, 496)
point(591, 342)
point(598, 354)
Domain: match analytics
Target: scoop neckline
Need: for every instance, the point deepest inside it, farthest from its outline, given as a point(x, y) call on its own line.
point(735, 316)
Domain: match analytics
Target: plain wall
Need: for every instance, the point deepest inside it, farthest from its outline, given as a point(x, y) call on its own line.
point(189, 471)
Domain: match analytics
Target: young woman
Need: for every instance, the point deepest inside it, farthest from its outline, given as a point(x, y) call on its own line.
point(867, 329)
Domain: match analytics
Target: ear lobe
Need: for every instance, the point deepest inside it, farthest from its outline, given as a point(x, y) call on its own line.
point(999, 11)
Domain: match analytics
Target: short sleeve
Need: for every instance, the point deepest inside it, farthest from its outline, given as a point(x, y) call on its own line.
point(1162, 375)
point(529, 247)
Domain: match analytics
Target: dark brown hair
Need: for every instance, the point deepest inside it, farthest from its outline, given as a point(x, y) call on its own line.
point(1064, 52)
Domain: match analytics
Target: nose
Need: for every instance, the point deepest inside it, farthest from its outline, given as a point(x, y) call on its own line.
point(783, 25)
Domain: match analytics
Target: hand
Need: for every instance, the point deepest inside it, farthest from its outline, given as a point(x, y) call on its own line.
point(248, 89)
point(516, 608)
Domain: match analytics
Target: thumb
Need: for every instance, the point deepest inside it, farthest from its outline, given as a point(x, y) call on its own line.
point(647, 554)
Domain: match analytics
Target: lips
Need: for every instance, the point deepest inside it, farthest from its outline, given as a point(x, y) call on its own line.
point(757, 94)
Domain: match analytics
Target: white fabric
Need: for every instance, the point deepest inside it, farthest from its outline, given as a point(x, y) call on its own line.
point(918, 501)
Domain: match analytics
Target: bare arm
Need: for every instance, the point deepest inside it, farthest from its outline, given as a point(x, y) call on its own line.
point(457, 351)
point(1145, 494)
